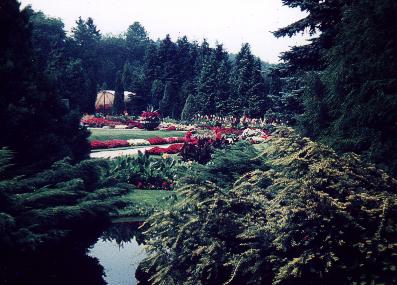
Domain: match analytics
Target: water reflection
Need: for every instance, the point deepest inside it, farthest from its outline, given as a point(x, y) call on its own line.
point(113, 256)
point(120, 250)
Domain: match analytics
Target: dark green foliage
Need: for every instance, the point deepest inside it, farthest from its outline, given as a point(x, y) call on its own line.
point(85, 46)
point(35, 124)
point(118, 105)
point(189, 109)
point(346, 78)
point(226, 166)
point(249, 91)
point(48, 206)
point(313, 218)
point(167, 106)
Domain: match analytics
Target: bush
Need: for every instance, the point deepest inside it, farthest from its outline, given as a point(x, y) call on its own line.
point(312, 218)
point(143, 171)
point(49, 206)
point(201, 149)
point(225, 166)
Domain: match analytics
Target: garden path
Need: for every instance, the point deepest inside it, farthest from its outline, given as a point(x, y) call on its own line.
point(122, 152)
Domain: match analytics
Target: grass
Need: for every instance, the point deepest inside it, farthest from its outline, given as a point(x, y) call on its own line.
point(143, 202)
point(114, 134)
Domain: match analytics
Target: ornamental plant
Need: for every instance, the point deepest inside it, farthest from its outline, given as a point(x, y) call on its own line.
point(143, 171)
point(108, 144)
point(172, 149)
point(311, 217)
point(150, 116)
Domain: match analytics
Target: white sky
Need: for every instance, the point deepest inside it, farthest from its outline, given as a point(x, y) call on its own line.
point(231, 22)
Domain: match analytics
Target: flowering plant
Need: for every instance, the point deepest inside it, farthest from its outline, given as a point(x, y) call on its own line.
point(172, 149)
point(147, 115)
point(97, 122)
point(109, 144)
point(138, 142)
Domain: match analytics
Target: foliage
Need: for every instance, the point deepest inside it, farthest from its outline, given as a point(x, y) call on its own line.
point(118, 105)
point(35, 123)
point(143, 171)
point(312, 217)
point(201, 149)
point(48, 207)
point(345, 80)
point(225, 167)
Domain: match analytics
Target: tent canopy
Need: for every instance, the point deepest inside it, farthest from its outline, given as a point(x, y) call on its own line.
point(105, 99)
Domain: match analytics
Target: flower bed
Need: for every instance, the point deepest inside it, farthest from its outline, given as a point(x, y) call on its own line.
point(108, 144)
point(171, 140)
point(172, 149)
point(138, 142)
point(98, 122)
point(111, 122)
point(176, 127)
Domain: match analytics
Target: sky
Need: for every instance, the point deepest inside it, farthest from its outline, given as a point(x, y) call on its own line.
point(230, 22)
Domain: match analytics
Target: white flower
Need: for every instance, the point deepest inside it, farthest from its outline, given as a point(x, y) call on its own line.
point(137, 142)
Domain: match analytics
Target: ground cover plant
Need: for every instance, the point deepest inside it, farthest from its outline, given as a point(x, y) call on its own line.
point(310, 217)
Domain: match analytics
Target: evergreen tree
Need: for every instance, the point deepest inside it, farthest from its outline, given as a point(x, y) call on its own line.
point(118, 105)
point(167, 102)
point(156, 93)
point(136, 42)
point(248, 86)
point(206, 84)
point(189, 110)
point(85, 45)
point(38, 127)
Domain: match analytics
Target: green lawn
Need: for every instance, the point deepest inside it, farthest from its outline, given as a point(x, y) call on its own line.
point(144, 202)
point(114, 134)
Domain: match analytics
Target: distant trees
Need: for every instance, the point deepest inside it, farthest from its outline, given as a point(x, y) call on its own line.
point(85, 42)
point(247, 82)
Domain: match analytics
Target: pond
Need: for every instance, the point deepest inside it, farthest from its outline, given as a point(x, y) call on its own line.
point(98, 255)
point(119, 250)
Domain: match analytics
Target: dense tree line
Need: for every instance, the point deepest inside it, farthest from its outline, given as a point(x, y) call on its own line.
point(162, 73)
point(342, 85)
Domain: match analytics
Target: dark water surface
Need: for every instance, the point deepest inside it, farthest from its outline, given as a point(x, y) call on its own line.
point(119, 250)
point(100, 256)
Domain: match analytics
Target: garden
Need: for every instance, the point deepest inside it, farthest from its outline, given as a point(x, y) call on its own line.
point(145, 151)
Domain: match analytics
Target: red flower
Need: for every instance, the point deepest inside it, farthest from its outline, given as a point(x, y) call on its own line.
point(172, 149)
point(150, 115)
point(108, 144)
point(157, 140)
point(171, 128)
